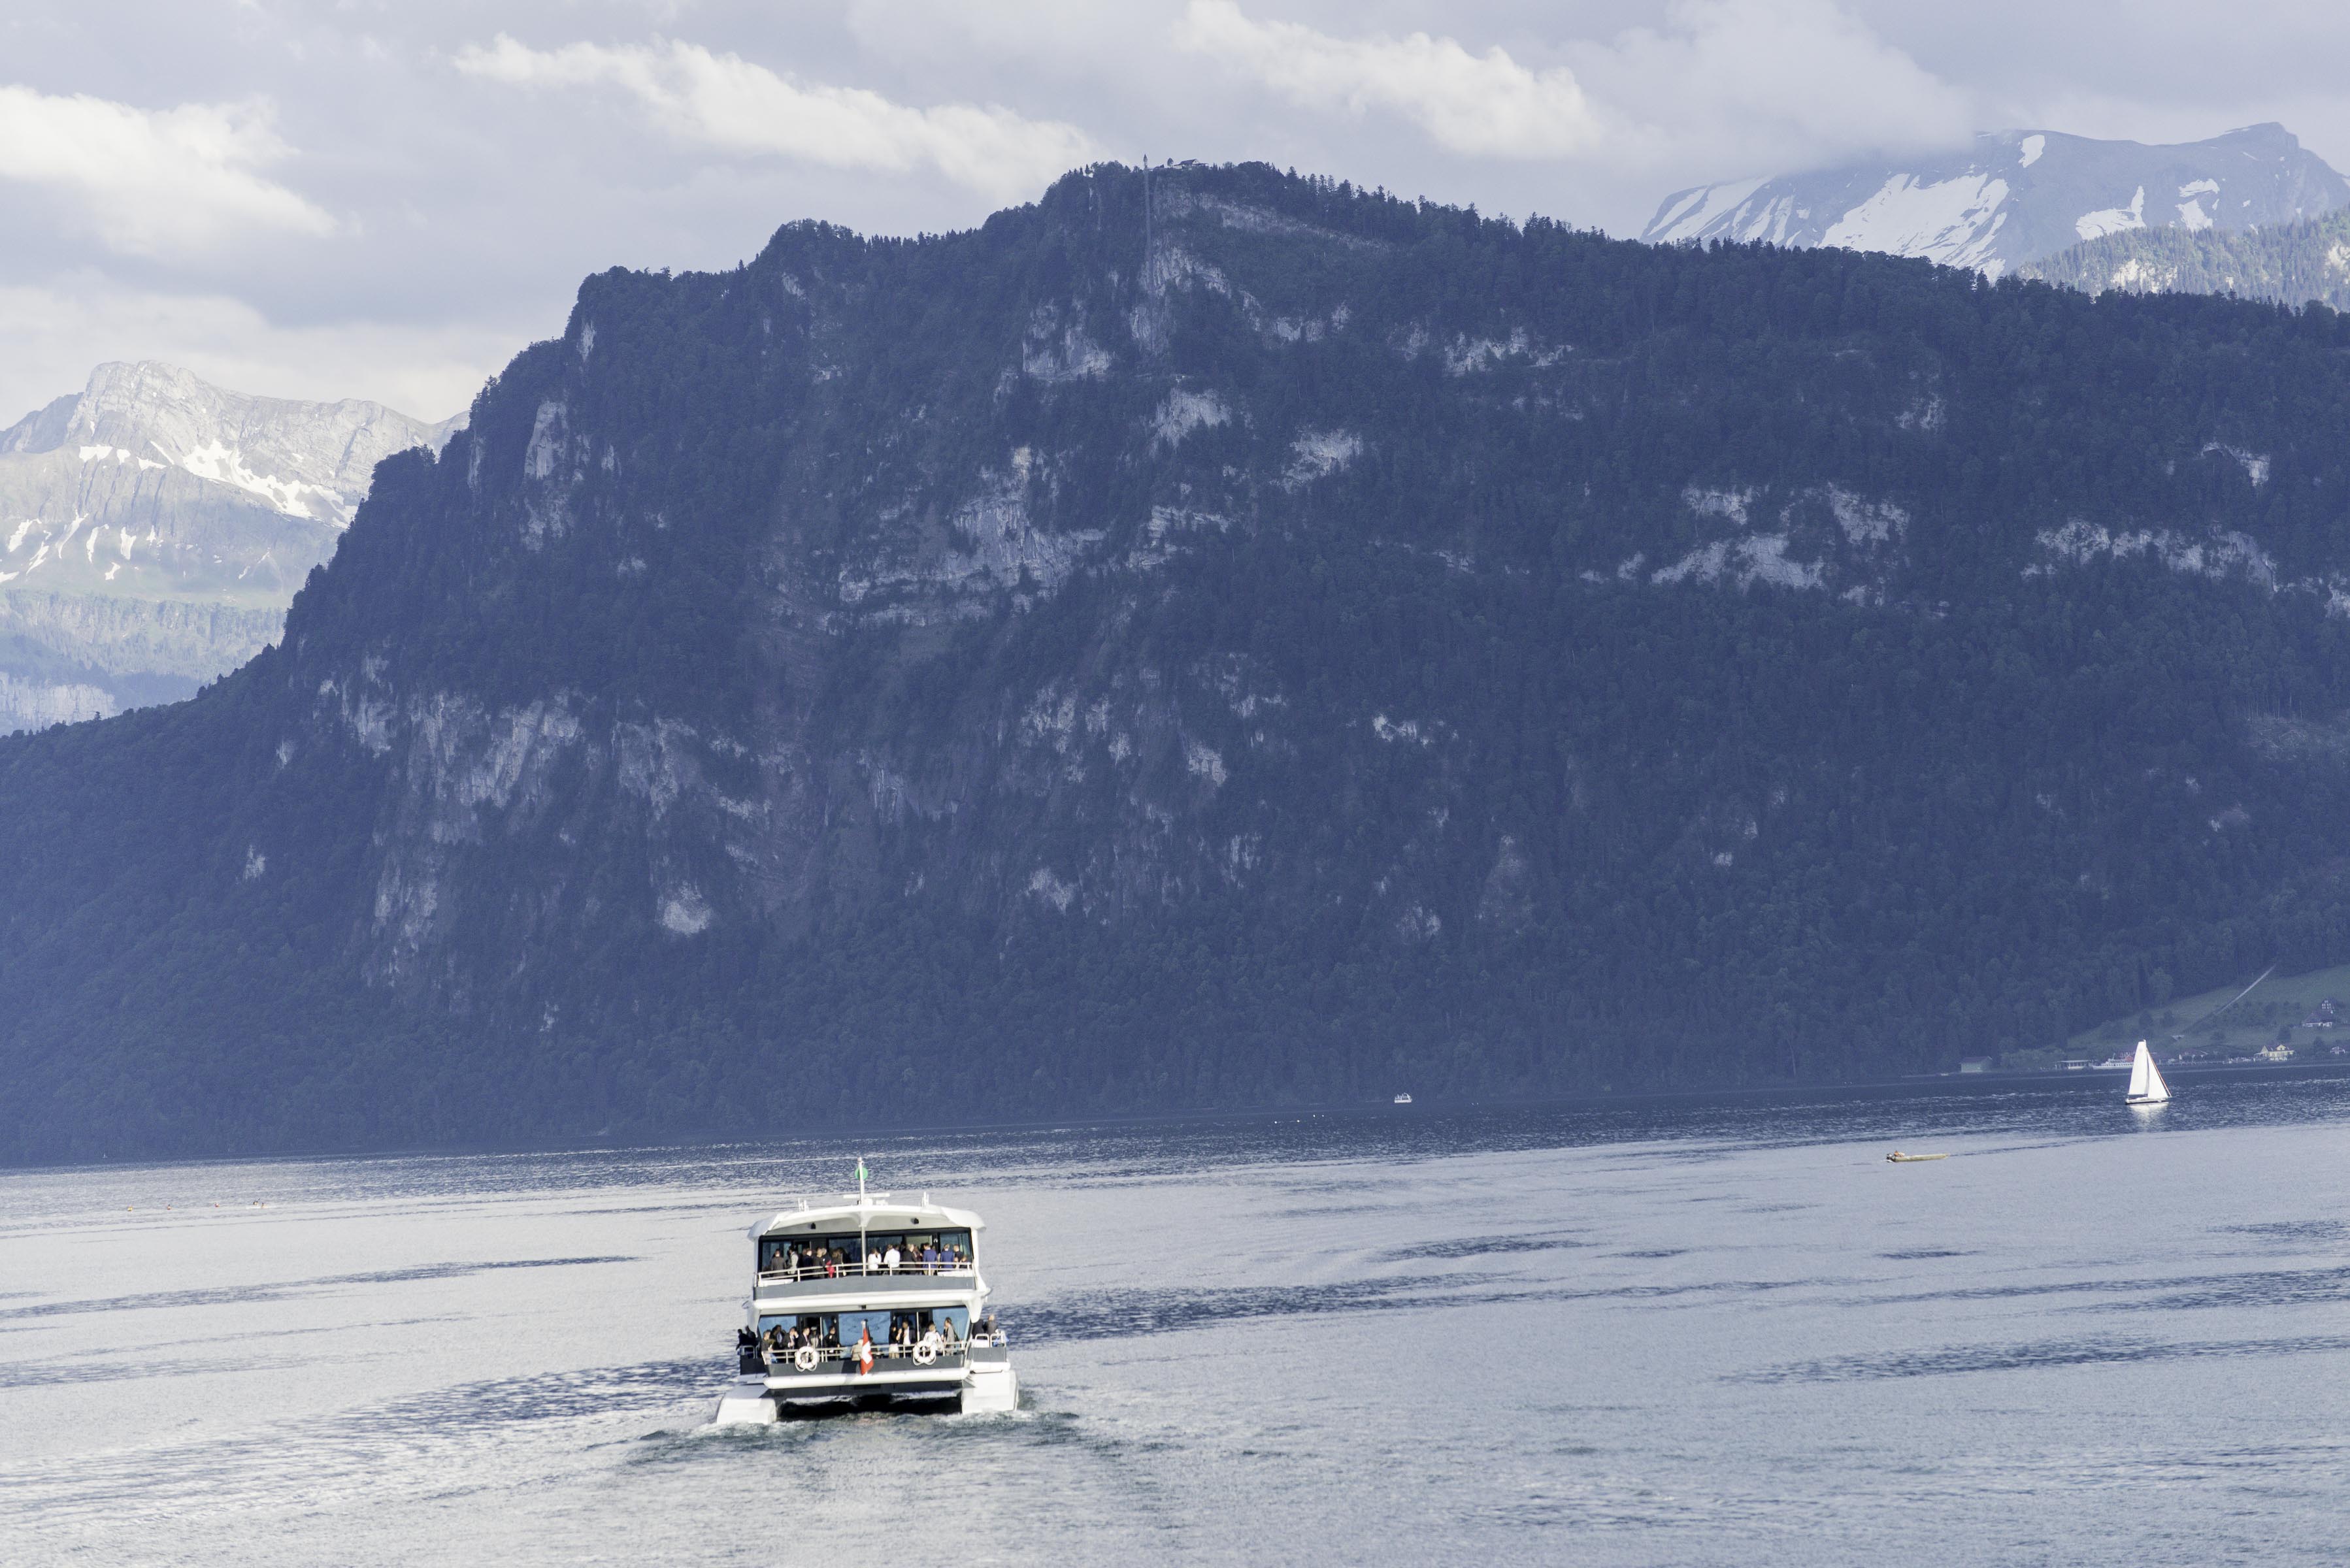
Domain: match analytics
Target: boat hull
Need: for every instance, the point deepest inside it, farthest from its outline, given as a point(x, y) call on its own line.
point(756, 1401)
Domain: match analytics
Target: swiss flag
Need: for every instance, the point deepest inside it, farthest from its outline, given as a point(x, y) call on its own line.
point(865, 1351)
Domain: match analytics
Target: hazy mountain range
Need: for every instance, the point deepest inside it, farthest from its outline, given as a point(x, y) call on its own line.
point(155, 528)
point(2016, 196)
point(1225, 639)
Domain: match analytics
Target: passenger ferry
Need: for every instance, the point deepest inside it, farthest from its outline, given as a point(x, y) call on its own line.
point(872, 1300)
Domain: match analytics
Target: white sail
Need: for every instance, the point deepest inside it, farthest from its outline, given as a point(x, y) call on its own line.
point(2146, 1084)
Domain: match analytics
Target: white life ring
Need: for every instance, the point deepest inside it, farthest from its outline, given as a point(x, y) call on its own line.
point(805, 1358)
point(926, 1352)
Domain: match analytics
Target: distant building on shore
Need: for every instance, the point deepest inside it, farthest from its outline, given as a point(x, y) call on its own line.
point(1974, 1063)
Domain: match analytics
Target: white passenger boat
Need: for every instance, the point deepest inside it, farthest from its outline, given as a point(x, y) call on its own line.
point(871, 1301)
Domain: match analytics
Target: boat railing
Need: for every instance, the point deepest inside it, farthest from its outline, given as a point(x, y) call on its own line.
point(805, 1271)
point(836, 1359)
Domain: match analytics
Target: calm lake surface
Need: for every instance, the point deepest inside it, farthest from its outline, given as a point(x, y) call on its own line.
point(1685, 1333)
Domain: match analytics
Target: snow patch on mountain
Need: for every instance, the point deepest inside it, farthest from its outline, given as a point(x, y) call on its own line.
point(1954, 221)
point(2014, 197)
point(2106, 220)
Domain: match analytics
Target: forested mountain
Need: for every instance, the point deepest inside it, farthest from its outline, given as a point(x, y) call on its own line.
point(1256, 641)
point(2286, 263)
point(2016, 196)
point(153, 528)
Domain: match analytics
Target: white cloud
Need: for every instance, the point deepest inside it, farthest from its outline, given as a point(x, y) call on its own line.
point(1768, 82)
point(724, 101)
point(150, 180)
point(1487, 104)
point(1781, 82)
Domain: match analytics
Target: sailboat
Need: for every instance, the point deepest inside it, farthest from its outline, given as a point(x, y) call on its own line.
point(2146, 1084)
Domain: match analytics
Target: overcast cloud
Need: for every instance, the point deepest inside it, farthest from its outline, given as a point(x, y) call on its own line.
point(387, 198)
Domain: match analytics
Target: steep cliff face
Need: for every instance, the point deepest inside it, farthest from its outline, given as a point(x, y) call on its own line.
point(1250, 641)
point(153, 528)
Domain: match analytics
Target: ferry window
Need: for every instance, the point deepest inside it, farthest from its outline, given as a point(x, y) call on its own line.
point(850, 1250)
point(854, 1326)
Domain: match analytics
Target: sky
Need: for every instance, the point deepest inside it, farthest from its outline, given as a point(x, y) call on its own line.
point(388, 198)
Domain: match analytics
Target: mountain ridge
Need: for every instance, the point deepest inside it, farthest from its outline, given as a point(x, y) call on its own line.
point(152, 489)
point(1218, 637)
point(2016, 196)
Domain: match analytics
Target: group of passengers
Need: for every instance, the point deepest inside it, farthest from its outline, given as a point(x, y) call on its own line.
point(908, 1332)
point(831, 1263)
point(821, 1335)
point(905, 1334)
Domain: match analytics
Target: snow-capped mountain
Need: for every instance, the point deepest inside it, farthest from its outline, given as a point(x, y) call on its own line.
point(2016, 196)
point(153, 528)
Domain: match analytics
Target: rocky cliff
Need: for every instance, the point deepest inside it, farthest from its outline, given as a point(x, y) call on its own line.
point(1226, 640)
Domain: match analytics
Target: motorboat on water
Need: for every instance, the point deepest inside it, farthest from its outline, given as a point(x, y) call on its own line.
point(1403, 1099)
point(2146, 1084)
point(872, 1300)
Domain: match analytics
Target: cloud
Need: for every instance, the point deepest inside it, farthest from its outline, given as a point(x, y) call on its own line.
point(1758, 81)
point(724, 101)
point(1486, 104)
point(151, 180)
point(1783, 82)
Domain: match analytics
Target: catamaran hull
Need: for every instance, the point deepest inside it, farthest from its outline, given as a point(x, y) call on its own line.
point(755, 1401)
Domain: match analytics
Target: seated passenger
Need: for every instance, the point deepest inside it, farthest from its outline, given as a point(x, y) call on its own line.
point(947, 1333)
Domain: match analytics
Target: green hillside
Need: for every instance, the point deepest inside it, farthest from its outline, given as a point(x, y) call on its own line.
point(2274, 1012)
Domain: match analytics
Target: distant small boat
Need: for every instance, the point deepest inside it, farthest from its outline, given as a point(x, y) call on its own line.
point(1403, 1099)
point(2146, 1084)
point(1897, 1157)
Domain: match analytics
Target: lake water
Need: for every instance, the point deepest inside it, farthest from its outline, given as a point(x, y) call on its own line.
point(1680, 1333)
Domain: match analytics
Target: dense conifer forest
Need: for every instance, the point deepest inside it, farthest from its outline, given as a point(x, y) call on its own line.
point(1225, 639)
point(2285, 263)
